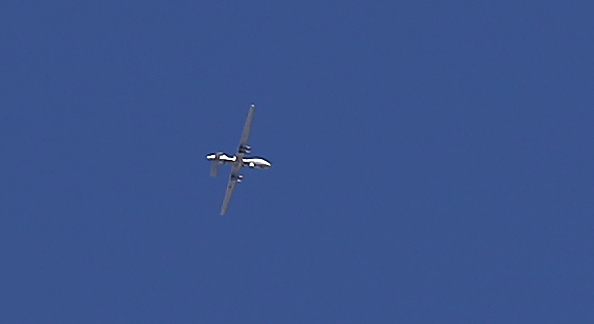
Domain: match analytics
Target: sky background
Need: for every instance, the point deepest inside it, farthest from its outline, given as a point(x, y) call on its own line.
point(432, 162)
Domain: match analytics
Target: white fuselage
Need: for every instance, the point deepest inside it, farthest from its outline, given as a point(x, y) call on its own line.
point(252, 162)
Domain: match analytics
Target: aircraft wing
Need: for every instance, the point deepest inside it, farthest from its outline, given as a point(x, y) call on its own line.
point(230, 187)
point(247, 128)
point(233, 178)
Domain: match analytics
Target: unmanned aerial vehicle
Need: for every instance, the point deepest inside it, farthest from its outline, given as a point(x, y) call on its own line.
point(238, 161)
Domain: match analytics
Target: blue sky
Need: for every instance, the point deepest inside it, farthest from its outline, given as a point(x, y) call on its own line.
point(432, 162)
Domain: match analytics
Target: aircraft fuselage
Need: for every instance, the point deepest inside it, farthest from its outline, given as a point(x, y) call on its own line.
point(252, 162)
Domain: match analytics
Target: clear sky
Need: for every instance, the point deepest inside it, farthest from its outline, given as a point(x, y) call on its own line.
point(432, 161)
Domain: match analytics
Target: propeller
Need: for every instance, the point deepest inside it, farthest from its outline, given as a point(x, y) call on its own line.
point(214, 165)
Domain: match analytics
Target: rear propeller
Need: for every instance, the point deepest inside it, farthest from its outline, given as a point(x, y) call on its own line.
point(214, 164)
